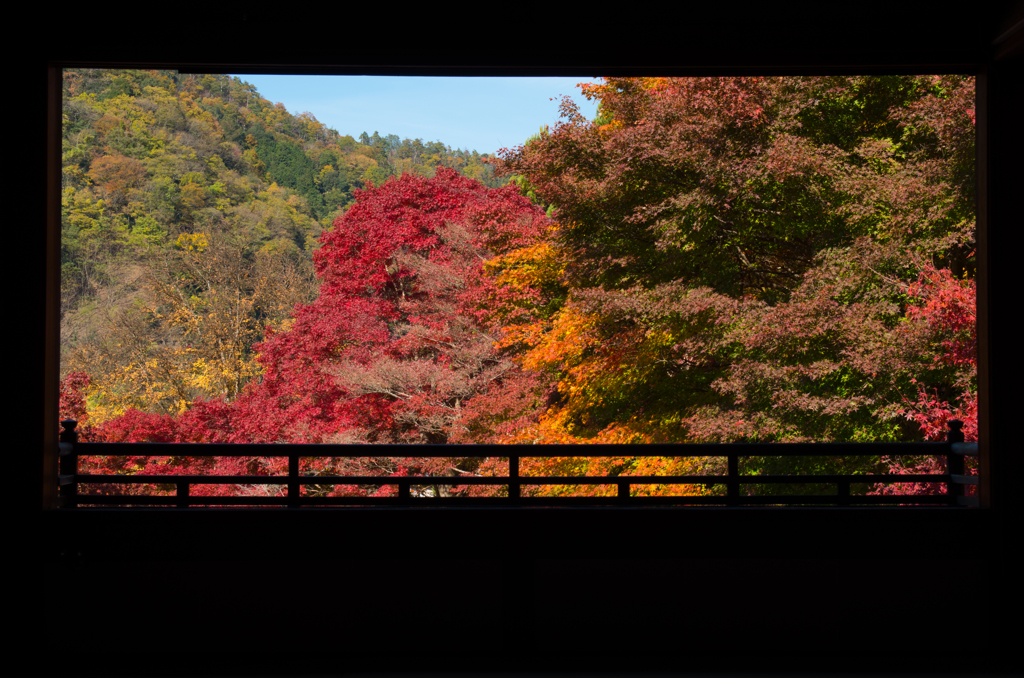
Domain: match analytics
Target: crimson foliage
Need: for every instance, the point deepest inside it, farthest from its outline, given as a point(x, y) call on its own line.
point(393, 350)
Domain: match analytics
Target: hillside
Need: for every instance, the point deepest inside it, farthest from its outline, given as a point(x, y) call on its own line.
point(191, 207)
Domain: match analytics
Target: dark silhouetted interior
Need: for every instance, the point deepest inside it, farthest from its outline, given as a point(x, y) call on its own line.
point(481, 591)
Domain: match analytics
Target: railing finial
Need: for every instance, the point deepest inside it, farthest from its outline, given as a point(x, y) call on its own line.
point(69, 434)
point(67, 474)
point(955, 434)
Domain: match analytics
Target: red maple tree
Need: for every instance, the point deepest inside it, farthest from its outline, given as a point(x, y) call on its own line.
point(395, 349)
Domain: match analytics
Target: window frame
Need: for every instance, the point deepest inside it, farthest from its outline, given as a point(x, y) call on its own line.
point(976, 52)
point(723, 40)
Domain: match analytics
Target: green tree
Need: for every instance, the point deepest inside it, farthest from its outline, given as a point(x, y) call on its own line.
point(738, 253)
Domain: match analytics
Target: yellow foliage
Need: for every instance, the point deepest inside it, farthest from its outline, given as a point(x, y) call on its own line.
point(598, 91)
point(572, 344)
point(220, 376)
point(556, 428)
point(526, 278)
point(192, 242)
point(571, 334)
point(531, 266)
point(83, 212)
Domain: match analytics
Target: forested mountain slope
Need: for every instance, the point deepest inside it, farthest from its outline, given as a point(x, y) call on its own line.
point(191, 207)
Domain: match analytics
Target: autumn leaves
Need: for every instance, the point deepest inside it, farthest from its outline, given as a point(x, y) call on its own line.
point(734, 259)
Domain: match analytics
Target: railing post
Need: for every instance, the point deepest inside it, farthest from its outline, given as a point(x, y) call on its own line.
point(293, 480)
point(954, 462)
point(843, 492)
point(182, 494)
point(513, 472)
point(68, 473)
point(733, 483)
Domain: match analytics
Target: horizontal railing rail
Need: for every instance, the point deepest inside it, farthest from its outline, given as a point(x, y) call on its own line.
point(409, 492)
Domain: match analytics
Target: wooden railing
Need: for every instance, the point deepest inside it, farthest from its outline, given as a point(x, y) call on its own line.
point(408, 487)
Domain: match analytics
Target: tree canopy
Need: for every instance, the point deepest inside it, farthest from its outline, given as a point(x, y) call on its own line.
point(710, 260)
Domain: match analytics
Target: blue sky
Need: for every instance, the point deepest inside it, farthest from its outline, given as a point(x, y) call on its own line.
point(482, 114)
